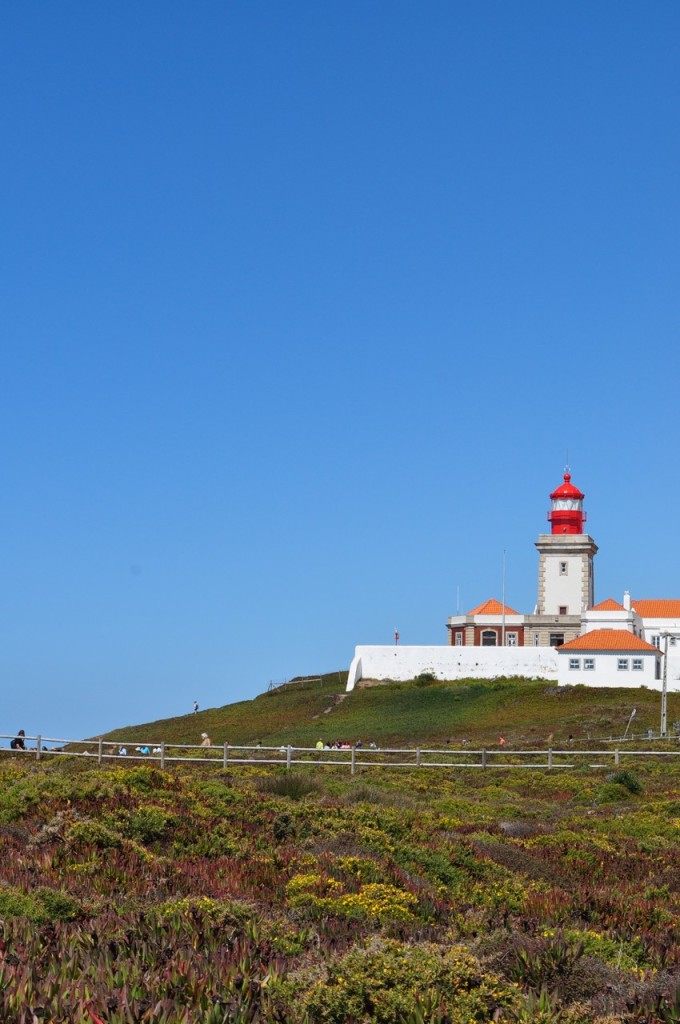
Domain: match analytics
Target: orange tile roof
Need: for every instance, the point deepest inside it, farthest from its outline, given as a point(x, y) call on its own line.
point(610, 605)
point(492, 607)
point(663, 608)
point(608, 640)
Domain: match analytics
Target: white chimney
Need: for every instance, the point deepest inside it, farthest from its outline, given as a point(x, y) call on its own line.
point(626, 600)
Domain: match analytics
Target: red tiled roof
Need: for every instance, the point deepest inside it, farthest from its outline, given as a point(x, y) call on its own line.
point(663, 608)
point(610, 605)
point(492, 607)
point(608, 640)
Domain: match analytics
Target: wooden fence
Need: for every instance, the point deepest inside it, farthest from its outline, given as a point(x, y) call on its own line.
point(227, 756)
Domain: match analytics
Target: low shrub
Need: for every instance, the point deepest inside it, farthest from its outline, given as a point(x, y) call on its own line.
point(425, 679)
point(40, 906)
point(293, 785)
point(148, 824)
point(283, 827)
point(93, 833)
point(390, 983)
point(611, 793)
point(628, 780)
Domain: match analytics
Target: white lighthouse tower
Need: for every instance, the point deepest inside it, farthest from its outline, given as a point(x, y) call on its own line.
point(566, 581)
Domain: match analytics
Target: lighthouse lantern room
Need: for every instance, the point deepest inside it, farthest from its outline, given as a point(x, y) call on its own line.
point(567, 515)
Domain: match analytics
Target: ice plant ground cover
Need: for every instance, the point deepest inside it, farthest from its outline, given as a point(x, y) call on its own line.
point(128, 894)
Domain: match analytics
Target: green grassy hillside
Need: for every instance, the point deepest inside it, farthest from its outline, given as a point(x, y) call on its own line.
point(424, 712)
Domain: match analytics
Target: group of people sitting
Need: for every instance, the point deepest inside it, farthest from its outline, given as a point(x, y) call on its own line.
point(140, 750)
point(145, 749)
point(342, 745)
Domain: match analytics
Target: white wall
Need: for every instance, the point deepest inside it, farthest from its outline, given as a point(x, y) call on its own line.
point(402, 663)
point(609, 620)
point(607, 673)
point(655, 627)
point(673, 673)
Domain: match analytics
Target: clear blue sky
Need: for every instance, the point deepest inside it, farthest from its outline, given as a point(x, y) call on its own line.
point(303, 305)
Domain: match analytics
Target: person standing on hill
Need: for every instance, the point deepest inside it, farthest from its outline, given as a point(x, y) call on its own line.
point(205, 740)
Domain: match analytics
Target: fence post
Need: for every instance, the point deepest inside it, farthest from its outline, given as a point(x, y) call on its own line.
point(417, 757)
point(354, 761)
point(225, 758)
point(289, 751)
point(162, 754)
point(549, 757)
point(617, 757)
point(484, 758)
point(38, 748)
point(100, 750)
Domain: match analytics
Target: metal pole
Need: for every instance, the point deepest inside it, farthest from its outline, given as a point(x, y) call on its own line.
point(549, 757)
point(289, 751)
point(225, 759)
point(38, 748)
point(354, 760)
point(418, 757)
point(100, 750)
point(617, 758)
point(503, 620)
point(664, 687)
point(163, 754)
point(484, 758)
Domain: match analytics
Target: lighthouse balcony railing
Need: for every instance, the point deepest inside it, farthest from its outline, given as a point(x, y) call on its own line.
point(559, 513)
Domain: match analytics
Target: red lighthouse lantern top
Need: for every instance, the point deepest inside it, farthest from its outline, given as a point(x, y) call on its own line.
point(567, 515)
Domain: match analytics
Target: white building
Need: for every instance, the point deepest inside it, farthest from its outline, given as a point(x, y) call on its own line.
point(614, 644)
point(609, 657)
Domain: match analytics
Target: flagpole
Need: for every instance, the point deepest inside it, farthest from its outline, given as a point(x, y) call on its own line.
point(503, 620)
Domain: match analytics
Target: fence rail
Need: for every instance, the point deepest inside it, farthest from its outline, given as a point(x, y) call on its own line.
point(353, 758)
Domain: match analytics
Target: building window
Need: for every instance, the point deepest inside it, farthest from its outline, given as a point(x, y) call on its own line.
point(511, 639)
point(537, 639)
point(622, 664)
point(563, 568)
point(459, 639)
point(656, 642)
point(556, 639)
point(489, 638)
point(637, 664)
point(563, 609)
point(574, 663)
point(589, 664)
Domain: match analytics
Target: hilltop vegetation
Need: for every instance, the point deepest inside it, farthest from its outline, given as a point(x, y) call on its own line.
point(424, 711)
point(248, 895)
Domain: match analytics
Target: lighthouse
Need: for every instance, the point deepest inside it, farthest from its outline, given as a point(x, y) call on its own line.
point(566, 580)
